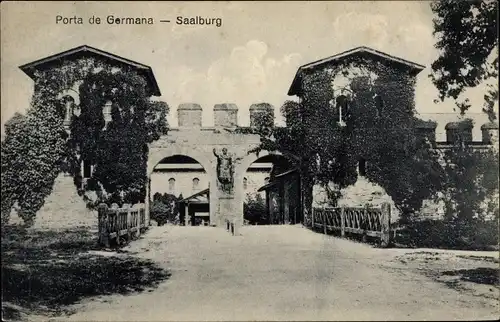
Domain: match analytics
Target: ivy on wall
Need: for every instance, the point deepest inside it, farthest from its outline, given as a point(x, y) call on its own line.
point(37, 147)
point(377, 125)
point(31, 153)
point(117, 149)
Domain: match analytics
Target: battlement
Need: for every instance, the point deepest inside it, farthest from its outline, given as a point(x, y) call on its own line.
point(459, 130)
point(225, 115)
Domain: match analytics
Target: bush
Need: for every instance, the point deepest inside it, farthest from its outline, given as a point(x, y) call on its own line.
point(477, 235)
point(254, 210)
point(164, 209)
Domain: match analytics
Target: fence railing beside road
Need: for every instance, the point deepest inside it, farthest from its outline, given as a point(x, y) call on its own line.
point(361, 221)
point(117, 224)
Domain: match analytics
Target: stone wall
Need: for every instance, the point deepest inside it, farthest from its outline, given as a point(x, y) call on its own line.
point(183, 182)
point(64, 208)
point(362, 193)
point(189, 115)
point(468, 129)
point(225, 114)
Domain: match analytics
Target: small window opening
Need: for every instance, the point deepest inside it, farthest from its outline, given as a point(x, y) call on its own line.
point(362, 167)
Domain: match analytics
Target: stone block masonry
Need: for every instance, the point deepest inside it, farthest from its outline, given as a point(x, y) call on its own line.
point(225, 115)
point(189, 115)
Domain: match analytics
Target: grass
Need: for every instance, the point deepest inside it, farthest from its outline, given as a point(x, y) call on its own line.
point(44, 272)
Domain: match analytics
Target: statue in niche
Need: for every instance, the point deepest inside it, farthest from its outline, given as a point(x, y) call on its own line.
point(225, 169)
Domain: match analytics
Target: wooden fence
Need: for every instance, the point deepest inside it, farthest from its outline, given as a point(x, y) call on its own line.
point(361, 221)
point(117, 224)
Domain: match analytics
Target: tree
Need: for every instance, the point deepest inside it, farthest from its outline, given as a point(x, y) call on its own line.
point(165, 208)
point(14, 129)
point(467, 38)
point(469, 190)
point(371, 119)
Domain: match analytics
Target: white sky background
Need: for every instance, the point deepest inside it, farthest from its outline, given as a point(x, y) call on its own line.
point(252, 58)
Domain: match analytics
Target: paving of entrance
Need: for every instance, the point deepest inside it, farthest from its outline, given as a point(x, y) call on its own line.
point(279, 273)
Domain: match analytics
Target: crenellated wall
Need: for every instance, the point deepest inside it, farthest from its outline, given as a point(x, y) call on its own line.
point(225, 114)
point(460, 130)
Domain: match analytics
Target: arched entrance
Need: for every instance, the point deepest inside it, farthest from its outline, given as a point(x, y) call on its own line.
point(260, 206)
point(179, 191)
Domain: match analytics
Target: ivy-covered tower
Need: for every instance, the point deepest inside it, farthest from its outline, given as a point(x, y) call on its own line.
point(99, 95)
point(350, 91)
point(79, 62)
point(361, 67)
point(361, 104)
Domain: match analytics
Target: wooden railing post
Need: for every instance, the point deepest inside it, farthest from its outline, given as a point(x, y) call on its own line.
point(102, 211)
point(362, 223)
point(324, 221)
point(342, 222)
point(113, 221)
point(129, 221)
point(138, 221)
point(386, 225)
point(147, 216)
point(365, 217)
point(141, 212)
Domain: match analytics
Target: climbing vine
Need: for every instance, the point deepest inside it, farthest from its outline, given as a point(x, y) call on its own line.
point(31, 153)
point(37, 146)
point(350, 113)
point(115, 149)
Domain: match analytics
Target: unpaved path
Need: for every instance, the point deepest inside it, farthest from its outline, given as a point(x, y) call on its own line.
point(280, 273)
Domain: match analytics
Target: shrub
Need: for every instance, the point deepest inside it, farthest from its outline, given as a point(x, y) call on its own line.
point(478, 235)
point(164, 209)
point(254, 209)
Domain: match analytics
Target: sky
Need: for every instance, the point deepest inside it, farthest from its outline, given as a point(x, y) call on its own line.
point(251, 58)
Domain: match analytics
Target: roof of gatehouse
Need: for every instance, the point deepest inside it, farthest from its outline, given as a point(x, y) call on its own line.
point(363, 51)
point(88, 51)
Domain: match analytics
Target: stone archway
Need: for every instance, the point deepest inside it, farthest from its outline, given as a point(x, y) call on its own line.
point(157, 154)
point(240, 172)
point(199, 146)
point(173, 179)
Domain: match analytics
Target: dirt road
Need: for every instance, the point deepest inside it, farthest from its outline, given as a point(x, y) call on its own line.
point(281, 273)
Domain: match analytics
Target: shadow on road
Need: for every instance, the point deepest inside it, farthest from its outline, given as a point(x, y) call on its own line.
point(480, 275)
point(44, 271)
